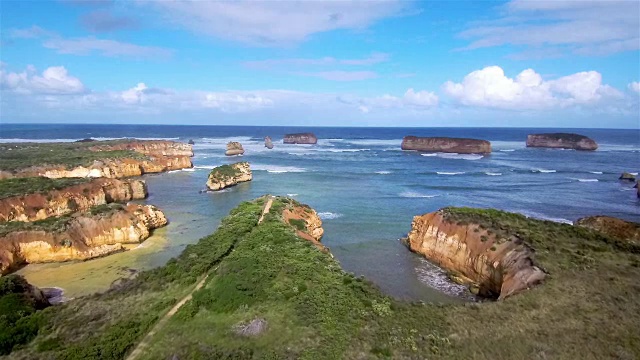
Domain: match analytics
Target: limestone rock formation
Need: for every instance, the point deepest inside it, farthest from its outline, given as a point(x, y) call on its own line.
point(83, 236)
point(611, 226)
point(498, 267)
point(81, 197)
point(561, 141)
point(307, 223)
point(229, 175)
point(627, 176)
point(268, 143)
point(446, 145)
point(234, 148)
point(302, 138)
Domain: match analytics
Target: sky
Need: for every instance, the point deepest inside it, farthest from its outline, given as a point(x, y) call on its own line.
point(519, 63)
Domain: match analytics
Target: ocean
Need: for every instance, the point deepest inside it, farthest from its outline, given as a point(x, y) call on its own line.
point(365, 188)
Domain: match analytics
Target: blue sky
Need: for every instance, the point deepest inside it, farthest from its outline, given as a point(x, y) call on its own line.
point(334, 63)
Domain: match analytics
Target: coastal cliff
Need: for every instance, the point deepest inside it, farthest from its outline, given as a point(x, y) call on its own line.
point(561, 141)
point(100, 231)
point(446, 145)
point(41, 205)
point(306, 221)
point(611, 226)
point(302, 138)
point(499, 265)
point(228, 175)
point(110, 159)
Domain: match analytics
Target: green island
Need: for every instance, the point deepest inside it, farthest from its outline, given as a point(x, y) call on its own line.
point(261, 292)
point(226, 172)
point(16, 156)
point(31, 185)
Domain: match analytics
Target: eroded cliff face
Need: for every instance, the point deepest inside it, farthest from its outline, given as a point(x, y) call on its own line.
point(500, 267)
point(81, 197)
point(229, 175)
point(162, 156)
point(234, 148)
point(446, 145)
point(561, 141)
point(303, 138)
point(304, 215)
point(84, 237)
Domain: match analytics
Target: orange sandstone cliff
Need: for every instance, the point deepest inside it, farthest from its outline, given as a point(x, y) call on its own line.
point(307, 223)
point(500, 267)
point(39, 206)
point(83, 236)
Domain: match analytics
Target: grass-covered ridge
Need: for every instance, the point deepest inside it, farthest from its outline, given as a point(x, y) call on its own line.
point(588, 307)
point(31, 185)
point(16, 156)
point(59, 223)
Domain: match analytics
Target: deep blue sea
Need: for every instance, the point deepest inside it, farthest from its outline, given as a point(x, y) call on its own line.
point(365, 188)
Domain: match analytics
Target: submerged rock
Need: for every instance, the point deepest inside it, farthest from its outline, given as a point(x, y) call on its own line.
point(302, 138)
point(234, 148)
point(499, 267)
point(229, 175)
point(611, 226)
point(446, 145)
point(191, 142)
point(561, 141)
point(268, 143)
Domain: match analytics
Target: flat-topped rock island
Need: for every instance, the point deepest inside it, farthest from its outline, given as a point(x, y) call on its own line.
point(561, 141)
point(446, 145)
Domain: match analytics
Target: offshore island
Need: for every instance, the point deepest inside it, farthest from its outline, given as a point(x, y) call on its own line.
point(264, 285)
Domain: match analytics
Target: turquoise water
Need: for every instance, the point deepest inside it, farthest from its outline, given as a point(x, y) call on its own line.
point(367, 190)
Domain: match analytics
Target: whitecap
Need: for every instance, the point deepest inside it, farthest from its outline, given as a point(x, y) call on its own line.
point(277, 169)
point(449, 173)
point(535, 215)
point(460, 156)
point(383, 172)
point(429, 154)
point(328, 215)
point(206, 167)
point(493, 174)
point(507, 150)
point(543, 171)
point(413, 194)
point(587, 180)
point(375, 142)
point(292, 195)
point(596, 172)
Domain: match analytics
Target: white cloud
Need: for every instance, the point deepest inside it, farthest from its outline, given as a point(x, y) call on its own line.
point(635, 86)
point(490, 87)
point(420, 98)
point(561, 27)
point(266, 23)
point(90, 45)
point(54, 80)
point(374, 58)
point(235, 101)
point(134, 95)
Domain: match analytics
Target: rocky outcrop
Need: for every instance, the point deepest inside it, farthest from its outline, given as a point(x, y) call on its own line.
point(81, 197)
point(268, 143)
point(234, 148)
point(446, 145)
point(611, 226)
point(561, 141)
point(627, 176)
point(499, 267)
point(302, 138)
point(306, 221)
point(229, 175)
point(155, 148)
point(81, 237)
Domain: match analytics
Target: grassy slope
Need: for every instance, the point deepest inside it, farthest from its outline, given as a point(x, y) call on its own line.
point(24, 186)
point(588, 308)
point(23, 155)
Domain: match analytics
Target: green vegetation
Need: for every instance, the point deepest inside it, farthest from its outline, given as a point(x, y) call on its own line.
point(30, 185)
point(588, 307)
point(57, 224)
point(19, 322)
point(224, 172)
point(14, 157)
point(299, 224)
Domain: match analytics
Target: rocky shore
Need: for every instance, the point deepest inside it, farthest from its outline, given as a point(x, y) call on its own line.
point(446, 145)
point(561, 141)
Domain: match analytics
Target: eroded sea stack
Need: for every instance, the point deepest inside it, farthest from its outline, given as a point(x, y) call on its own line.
point(302, 138)
point(268, 143)
point(446, 145)
point(499, 264)
point(229, 175)
point(561, 141)
point(234, 148)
